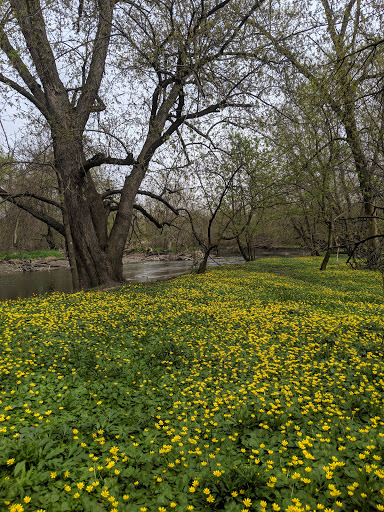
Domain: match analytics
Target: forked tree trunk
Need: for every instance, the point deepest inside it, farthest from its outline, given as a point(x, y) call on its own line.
point(85, 222)
point(247, 252)
point(94, 266)
point(241, 249)
point(120, 230)
point(70, 250)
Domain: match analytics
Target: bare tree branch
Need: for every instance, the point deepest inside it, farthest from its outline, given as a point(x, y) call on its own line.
point(47, 219)
point(146, 214)
point(159, 198)
point(42, 199)
point(37, 97)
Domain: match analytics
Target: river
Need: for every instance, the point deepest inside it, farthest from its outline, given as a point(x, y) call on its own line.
point(26, 284)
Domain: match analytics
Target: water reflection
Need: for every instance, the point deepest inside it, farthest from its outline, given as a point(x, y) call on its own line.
point(26, 284)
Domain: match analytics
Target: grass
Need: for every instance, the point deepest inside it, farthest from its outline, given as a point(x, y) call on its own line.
point(250, 388)
point(30, 255)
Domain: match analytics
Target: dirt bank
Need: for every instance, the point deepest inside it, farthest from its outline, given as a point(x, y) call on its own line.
point(161, 256)
point(33, 265)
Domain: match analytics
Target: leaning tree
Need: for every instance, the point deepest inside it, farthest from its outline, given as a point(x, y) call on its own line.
point(183, 59)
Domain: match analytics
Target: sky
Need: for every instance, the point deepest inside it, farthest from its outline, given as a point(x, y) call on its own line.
point(11, 126)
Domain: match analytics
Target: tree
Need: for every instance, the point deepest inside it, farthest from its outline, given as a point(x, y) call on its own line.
point(255, 191)
point(183, 50)
point(320, 178)
point(208, 222)
point(340, 73)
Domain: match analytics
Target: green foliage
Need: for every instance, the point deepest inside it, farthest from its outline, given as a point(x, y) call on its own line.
point(257, 387)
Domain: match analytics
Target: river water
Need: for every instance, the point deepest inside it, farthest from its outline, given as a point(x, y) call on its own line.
point(26, 284)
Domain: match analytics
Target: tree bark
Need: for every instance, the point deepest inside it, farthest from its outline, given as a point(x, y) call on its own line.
point(50, 240)
point(364, 175)
point(327, 256)
point(15, 234)
point(71, 251)
point(85, 219)
point(202, 267)
point(202, 264)
point(117, 239)
point(247, 251)
point(242, 249)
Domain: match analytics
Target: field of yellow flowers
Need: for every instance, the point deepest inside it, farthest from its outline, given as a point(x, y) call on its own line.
point(251, 388)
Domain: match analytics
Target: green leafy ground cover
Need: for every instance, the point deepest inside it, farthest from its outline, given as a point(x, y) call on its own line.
point(252, 388)
point(30, 255)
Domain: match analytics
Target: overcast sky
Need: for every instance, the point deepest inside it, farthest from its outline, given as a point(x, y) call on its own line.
point(10, 126)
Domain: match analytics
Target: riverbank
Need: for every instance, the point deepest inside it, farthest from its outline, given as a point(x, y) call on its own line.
point(55, 263)
point(15, 285)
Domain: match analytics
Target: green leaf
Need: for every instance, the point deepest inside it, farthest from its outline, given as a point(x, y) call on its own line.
point(20, 467)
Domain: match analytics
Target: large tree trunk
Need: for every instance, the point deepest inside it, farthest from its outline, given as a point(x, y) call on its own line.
point(86, 221)
point(93, 264)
